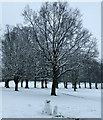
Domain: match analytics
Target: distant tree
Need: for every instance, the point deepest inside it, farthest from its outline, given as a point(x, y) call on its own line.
point(96, 74)
point(7, 72)
point(18, 55)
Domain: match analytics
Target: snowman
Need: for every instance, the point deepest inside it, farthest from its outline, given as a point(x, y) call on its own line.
point(47, 108)
point(55, 111)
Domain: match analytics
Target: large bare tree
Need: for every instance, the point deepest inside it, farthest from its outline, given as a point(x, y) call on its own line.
point(59, 32)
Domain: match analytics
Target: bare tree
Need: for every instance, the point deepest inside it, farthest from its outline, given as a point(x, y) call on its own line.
point(58, 31)
point(6, 58)
point(17, 55)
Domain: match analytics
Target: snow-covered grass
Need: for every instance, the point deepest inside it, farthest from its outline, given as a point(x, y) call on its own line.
point(29, 103)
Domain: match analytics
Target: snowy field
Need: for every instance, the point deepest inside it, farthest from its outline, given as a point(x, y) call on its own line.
point(29, 103)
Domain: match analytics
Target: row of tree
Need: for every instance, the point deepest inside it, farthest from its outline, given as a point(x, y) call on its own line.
point(52, 46)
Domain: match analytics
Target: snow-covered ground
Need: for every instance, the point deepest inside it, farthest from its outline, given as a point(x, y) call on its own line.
point(29, 103)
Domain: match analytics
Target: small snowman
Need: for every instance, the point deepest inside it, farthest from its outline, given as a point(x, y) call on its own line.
point(55, 111)
point(47, 108)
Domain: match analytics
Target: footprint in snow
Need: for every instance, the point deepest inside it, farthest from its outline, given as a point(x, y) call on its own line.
point(29, 105)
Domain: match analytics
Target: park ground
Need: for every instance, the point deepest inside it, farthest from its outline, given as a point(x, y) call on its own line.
point(29, 103)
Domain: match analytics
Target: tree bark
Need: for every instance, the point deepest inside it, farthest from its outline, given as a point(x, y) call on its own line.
point(79, 85)
point(90, 85)
point(101, 85)
point(27, 84)
point(35, 83)
point(65, 85)
point(96, 85)
point(16, 86)
point(21, 83)
point(85, 84)
point(46, 84)
point(16, 80)
point(53, 91)
point(42, 83)
point(7, 84)
point(75, 87)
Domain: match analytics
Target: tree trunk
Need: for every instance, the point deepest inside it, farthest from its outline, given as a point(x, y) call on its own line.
point(7, 84)
point(75, 87)
point(16, 80)
point(16, 86)
point(53, 91)
point(46, 84)
point(101, 85)
point(85, 84)
point(96, 85)
point(21, 83)
point(90, 85)
point(79, 85)
point(27, 84)
point(42, 83)
point(65, 85)
point(35, 83)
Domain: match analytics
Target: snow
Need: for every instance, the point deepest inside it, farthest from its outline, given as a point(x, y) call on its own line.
point(29, 103)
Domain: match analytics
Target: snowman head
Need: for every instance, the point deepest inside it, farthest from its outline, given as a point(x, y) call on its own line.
point(47, 101)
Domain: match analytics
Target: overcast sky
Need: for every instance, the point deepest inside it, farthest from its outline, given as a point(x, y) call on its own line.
point(91, 11)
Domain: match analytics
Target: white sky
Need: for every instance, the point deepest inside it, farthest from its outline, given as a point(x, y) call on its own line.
point(91, 11)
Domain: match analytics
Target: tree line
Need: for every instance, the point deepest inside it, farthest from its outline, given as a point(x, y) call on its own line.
point(53, 45)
